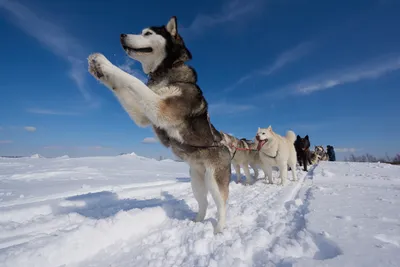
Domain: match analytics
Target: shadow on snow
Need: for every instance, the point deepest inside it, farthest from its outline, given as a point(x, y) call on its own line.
point(104, 204)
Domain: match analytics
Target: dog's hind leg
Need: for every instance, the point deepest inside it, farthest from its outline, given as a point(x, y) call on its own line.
point(200, 191)
point(217, 182)
point(255, 169)
point(268, 173)
point(305, 162)
point(247, 173)
point(309, 158)
point(283, 172)
point(292, 165)
point(264, 169)
point(238, 174)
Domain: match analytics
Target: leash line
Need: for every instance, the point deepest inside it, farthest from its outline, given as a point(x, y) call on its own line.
point(251, 149)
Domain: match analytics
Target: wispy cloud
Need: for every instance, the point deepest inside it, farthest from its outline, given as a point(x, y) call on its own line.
point(370, 70)
point(30, 129)
point(19, 128)
point(51, 112)
point(287, 57)
point(150, 140)
point(54, 38)
point(128, 66)
point(223, 108)
point(230, 11)
point(6, 141)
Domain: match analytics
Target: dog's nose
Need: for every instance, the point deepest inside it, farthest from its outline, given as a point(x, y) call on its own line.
point(123, 35)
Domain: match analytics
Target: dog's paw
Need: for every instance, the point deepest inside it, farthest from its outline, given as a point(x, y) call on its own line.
point(218, 229)
point(268, 181)
point(97, 62)
point(199, 218)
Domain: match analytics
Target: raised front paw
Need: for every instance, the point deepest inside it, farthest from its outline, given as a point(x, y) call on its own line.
point(97, 62)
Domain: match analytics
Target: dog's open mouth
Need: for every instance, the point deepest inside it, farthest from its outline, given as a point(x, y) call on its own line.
point(261, 143)
point(138, 50)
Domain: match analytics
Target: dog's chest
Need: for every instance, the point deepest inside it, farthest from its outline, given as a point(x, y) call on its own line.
point(164, 89)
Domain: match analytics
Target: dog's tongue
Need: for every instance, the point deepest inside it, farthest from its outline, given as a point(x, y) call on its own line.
point(260, 144)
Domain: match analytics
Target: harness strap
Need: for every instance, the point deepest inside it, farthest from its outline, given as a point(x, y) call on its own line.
point(236, 149)
point(272, 157)
point(251, 149)
point(234, 153)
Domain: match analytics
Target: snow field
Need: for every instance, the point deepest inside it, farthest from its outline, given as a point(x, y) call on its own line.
point(133, 211)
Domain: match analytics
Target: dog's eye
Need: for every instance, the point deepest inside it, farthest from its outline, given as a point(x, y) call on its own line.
point(263, 133)
point(147, 33)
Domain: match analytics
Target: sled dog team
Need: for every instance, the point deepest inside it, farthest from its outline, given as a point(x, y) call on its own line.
point(174, 106)
point(272, 150)
point(267, 151)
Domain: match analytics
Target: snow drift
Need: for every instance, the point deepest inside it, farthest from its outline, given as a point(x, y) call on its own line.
point(132, 211)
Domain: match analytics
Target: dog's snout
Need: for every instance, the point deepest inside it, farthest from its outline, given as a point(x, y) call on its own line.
point(123, 35)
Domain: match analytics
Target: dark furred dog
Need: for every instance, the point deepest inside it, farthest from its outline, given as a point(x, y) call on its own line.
point(331, 153)
point(302, 146)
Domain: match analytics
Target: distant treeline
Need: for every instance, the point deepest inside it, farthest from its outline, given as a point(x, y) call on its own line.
point(370, 158)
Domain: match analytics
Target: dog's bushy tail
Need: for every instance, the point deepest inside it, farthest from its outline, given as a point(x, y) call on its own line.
point(291, 136)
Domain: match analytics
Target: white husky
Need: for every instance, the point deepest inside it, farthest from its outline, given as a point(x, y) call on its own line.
point(276, 150)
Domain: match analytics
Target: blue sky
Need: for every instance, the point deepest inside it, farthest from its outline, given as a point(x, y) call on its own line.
point(329, 69)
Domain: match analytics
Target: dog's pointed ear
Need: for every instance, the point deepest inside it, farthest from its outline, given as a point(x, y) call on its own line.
point(307, 136)
point(172, 26)
point(269, 128)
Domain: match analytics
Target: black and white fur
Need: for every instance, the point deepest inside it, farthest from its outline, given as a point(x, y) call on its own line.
point(173, 104)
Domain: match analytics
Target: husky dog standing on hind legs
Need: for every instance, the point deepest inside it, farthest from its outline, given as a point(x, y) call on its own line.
point(173, 104)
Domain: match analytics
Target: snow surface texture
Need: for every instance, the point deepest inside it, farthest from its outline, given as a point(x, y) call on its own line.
point(133, 211)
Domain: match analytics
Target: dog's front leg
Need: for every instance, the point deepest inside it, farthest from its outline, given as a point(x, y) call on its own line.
point(114, 78)
point(125, 86)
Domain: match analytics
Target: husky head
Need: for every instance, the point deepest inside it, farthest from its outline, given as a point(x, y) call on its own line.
point(263, 135)
point(303, 143)
point(155, 47)
point(319, 149)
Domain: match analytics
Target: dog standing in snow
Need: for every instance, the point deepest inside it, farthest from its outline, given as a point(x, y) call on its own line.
point(304, 155)
point(276, 150)
point(174, 105)
point(243, 153)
